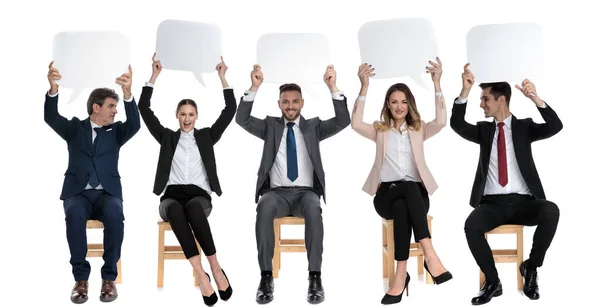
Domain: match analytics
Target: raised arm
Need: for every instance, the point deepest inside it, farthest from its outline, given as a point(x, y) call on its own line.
point(154, 126)
point(341, 120)
point(255, 126)
point(62, 126)
point(131, 125)
point(552, 125)
point(435, 126)
point(466, 130)
point(218, 128)
point(365, 71)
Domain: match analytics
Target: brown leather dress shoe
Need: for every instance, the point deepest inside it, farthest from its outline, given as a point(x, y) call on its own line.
point(79, 294)
point(108, 293)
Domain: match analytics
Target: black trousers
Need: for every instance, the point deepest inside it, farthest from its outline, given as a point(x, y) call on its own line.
point(186, 208)
point(407, 203)
point(497, 210)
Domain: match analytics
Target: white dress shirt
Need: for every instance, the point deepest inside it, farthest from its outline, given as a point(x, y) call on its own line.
point(516, 183)
point(187, 166)
point(399, 161)
point(278, 173)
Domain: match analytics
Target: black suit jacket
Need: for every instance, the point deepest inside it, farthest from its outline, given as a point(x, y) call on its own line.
point(168, 139)
point(524, 132)
point(83, 157)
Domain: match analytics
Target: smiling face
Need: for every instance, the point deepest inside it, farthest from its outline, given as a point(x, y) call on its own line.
point(187, 115)
point(290, 103)
point(398, 106)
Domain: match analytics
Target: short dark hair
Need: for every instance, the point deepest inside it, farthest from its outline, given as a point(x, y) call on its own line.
point(290, 87)
point(498, 89)
point(185, 102)
point(98, 96)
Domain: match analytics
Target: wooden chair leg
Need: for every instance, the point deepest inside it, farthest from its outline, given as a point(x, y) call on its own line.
point(391, 266)
point(384, 248)
point(277, 249)
point(161, 256)
point(196, 282)
point(519, 258)
point(119, 272)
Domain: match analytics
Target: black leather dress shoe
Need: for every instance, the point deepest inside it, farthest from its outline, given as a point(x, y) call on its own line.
point(487, 292)
point(530, 287)
point(315, 294)
point(264, 294)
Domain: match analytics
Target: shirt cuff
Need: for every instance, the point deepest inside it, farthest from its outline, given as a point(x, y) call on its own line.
point(460, 100)
point(228, 88)
point(52, 95)
point(249, 96)
point(150, 84)
point(543, 106)
point(361, 98)
point(128, 100)
point(338, 95)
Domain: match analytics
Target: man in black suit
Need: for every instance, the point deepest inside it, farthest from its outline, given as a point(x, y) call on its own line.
point(507, 188)
point(92, 184)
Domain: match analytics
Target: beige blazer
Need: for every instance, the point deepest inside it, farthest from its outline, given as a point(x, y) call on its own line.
point(416, 139)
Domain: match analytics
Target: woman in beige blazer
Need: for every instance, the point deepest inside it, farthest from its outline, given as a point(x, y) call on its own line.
point(400, 179)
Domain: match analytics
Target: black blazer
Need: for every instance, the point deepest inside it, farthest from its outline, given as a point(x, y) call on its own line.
point(83, 157)
point(525, 132)
point(168, 139)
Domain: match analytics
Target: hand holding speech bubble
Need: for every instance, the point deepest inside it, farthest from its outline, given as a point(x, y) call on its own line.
point(90, 59)
point(293, 57)
point(189, 46)
point(506, 52)
point(398, 47)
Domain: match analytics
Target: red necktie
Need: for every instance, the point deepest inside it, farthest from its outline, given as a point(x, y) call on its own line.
point(502, 169)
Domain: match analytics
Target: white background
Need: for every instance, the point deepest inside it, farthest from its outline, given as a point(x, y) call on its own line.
point(35, 257)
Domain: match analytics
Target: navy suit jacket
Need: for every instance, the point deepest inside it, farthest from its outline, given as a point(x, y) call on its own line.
point(83, 157)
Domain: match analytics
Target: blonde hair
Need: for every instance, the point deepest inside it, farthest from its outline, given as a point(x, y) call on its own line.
point(413, 118)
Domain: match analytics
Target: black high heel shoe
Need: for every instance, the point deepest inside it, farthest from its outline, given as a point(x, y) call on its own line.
point(440, 279)
point(225, 295)
point(394, 299)
point(212, 299)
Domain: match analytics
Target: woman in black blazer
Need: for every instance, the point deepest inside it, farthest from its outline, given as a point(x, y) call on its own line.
point(187, 175)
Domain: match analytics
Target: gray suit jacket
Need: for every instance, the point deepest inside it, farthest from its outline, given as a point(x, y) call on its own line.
point(271, 130)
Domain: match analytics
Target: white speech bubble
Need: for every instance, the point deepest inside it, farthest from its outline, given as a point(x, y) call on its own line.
point(293, 57)
point(505, 52)
point(398, 47)
point(189, 46)
point(90, 59)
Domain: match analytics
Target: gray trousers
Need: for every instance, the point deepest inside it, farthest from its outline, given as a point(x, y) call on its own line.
point(281, 202)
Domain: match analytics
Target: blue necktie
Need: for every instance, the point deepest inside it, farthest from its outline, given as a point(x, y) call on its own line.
point(93, 176)
point(292, 158)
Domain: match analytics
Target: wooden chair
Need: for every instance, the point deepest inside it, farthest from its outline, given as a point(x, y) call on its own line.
point(507, 255)
point(169, 252)
point(285, 245)
point(389, 264)
point(97, 249)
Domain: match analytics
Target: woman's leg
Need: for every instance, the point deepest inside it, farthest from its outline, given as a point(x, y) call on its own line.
point(173, 212)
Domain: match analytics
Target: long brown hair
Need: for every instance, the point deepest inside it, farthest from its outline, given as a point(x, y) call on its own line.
point(413, 118)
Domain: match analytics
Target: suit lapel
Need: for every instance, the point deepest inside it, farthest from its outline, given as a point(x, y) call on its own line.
point(278, 133)
point(87, 128)
point(175, 140)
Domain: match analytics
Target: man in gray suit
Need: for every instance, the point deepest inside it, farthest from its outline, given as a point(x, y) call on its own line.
point(291, 178)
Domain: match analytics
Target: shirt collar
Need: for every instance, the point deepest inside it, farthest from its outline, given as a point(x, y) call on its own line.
point(506, 122)
point(296, 121)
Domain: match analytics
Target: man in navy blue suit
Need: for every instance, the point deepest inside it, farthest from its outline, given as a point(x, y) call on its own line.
point(92, 185)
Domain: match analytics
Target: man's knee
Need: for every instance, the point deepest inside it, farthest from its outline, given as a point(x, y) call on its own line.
point(75, 209)
point(267, 205)
point(311, 206)
point(551, 210)
point(473, 224)
point(112, 209)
